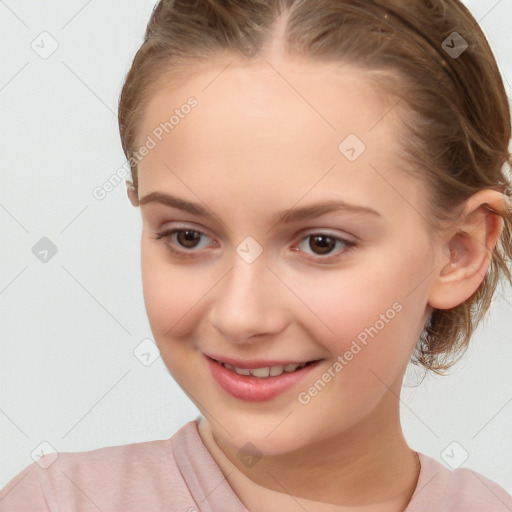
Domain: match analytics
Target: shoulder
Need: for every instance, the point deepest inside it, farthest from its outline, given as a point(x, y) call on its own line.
point(457, 490)
point(139, 474)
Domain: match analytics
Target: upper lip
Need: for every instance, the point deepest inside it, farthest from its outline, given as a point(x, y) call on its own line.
point(256, 363)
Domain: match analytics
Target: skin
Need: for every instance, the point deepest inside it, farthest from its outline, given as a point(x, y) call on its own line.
point(253, 147)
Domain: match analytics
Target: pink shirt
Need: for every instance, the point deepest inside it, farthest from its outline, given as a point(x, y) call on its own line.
point(179, 474)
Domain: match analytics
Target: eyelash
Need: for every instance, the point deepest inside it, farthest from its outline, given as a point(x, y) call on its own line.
point(181, 253)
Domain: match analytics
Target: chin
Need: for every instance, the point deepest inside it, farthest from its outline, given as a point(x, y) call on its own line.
point(261, 436)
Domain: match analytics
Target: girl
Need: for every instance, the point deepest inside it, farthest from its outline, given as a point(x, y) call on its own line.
point(324, 193)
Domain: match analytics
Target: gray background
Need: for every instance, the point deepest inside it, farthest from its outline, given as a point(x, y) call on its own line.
point(70, 324)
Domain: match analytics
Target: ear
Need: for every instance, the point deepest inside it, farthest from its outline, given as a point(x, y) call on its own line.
point(132, 193)
point(467, 250)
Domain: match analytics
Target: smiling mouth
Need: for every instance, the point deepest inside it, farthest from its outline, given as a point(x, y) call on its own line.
point(265, 371)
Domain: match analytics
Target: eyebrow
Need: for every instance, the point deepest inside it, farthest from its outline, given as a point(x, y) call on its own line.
point(286, 216)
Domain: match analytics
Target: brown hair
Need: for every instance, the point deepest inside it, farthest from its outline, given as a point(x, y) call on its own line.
point(457, 128)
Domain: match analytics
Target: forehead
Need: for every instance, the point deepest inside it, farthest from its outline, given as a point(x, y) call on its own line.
point(326, 98)
point(274, 129)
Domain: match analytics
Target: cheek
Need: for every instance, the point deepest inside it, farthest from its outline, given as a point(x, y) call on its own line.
point(375, 331)
point(343, 304)
point(370, 316)
point(172, 293)
point(371, 334)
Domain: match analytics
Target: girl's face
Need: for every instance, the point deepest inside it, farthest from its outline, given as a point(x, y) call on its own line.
point(288, 241)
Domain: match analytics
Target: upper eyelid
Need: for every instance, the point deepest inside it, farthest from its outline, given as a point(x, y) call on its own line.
point(308, 232)
point(303, 236)
point(185, 227)
point(329, 232)
point(189, 225)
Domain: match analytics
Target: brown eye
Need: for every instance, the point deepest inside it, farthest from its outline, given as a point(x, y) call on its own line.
point(324, 247)
point(322, 244)
point(188, 238)
point(185, 240)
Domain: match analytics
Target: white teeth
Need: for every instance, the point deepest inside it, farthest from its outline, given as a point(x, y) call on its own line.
point(260, 372)
point(272, 371)
point(291, 367)
point(276, 370)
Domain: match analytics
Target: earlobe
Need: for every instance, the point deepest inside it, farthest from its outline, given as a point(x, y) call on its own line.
point(132, 193)
point(466, 256)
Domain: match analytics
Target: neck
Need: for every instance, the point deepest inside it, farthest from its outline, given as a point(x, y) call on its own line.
point(370, 463)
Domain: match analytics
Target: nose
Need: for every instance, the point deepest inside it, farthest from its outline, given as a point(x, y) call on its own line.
point(249, 302)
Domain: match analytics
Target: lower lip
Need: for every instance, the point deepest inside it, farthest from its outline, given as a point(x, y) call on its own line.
point(256, 389)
